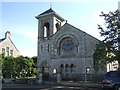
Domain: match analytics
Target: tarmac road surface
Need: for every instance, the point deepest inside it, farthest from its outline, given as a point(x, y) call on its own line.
point(55, 88)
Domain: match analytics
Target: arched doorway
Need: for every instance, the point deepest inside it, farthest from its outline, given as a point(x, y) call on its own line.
point(45, 70)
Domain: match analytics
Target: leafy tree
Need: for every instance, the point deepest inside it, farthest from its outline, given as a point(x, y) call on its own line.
point(18, 67)
point(1, 63)
point(26, 67)
point(8, 68)
point(109, 49)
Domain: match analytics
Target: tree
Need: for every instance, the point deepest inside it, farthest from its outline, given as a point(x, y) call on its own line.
point(8, 67)
point(25, 67)
point(18, 67)
point(108, 50)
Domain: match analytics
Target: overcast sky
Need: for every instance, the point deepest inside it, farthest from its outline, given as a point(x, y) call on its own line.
point(19, 19)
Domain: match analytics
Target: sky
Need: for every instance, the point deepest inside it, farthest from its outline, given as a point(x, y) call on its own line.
point(19, 18)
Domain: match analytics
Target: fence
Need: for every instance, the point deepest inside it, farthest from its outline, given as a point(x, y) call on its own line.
point(82, 77)
point(75, 77)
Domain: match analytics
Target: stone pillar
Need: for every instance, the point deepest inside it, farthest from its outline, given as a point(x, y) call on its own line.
point(58, 78)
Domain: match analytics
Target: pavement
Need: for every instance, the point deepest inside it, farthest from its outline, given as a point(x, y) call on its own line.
point(50, 84)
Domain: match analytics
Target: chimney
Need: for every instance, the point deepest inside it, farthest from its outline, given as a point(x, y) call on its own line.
point(7, 34)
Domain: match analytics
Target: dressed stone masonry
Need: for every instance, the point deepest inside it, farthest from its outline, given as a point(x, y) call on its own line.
point(64, 48)
point(7, 47)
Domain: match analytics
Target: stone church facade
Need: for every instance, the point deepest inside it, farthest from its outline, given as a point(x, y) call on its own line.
point(64, 48)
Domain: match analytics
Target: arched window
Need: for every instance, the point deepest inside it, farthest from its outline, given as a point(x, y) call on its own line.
point(71, 67)
point(88, 70)
point(61, 68)
point(66, 67)
point(46, 31)
point(54, 71)
point(67, 47)
point(57, 26)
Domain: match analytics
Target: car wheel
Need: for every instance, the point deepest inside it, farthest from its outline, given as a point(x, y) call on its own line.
point(30, 82)
point(117, 87)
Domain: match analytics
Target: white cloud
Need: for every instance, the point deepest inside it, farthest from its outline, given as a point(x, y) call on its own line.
point(31, 34)
point(30, 52)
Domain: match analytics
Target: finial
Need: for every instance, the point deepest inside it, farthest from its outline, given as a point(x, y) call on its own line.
point(66, 21)
point(51, 5)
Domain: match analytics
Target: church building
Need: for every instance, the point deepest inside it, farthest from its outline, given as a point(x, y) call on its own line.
point(63, 48)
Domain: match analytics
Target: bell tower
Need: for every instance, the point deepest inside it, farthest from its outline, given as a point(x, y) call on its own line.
point(49, 22)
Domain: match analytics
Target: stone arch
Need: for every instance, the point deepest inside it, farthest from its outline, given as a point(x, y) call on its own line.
point(67, 45)
point(46, 30)
point(57, 25)
point(62, 68)
point(44, 67)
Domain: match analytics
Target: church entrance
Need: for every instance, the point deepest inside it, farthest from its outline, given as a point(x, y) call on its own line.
point(45, 71)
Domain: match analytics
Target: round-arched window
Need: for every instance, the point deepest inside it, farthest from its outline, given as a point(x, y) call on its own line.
point(67, 45)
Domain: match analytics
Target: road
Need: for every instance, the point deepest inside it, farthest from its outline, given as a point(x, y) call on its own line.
point(53, 88)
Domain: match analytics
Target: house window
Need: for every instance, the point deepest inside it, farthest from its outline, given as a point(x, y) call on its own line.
point(11, 52)
point(7, 51)
point(3, 51)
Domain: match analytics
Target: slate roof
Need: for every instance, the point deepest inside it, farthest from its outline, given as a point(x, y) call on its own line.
point(2, 40)
point(47, 12)
point(50, 11)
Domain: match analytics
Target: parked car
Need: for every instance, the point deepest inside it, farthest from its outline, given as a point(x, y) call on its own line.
point(112, 80)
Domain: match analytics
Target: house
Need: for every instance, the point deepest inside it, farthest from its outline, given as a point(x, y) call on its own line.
point(7, 47)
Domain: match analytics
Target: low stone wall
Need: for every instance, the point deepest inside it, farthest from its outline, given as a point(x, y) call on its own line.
point(82, 77)
point(7, 80)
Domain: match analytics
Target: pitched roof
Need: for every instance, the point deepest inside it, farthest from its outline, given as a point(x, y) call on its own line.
point(47, 12)
point(2, 40)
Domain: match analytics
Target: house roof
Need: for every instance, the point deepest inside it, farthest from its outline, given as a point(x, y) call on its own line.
point(2, 40)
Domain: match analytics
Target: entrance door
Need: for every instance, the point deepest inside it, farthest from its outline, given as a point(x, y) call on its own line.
point(45, 71)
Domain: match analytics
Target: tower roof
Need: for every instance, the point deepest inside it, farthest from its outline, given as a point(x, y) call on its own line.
point(49, 12)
